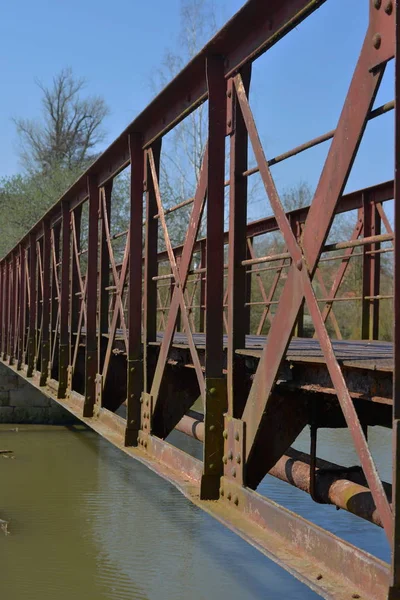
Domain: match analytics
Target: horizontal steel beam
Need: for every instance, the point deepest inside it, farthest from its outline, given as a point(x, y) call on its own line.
point(335, 484)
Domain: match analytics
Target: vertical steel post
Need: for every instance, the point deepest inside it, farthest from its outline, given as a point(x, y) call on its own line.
point(39, 300)
point(75, 287)
point(13, 307)
point(91, 298)
point(135, 361)
point(299, 328)
point(394, 593)
point(237, 251)
point(202, 285)
point(22, 307)
point(55, 300)
point(64, 303)
point(45, 356)
point(371, 272)
point(215, 384)
point(32, 305)
point(104, 274)
point(6, 302)
point(150, 267)
point(9, 306)
point(1, 307)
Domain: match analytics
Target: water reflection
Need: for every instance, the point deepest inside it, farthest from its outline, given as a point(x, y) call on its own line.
point(89, 522)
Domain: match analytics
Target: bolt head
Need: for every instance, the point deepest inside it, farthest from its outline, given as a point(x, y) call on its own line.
point(221, 491)
point(377, 4)
point(224, 460)
point(132, 369)
point(238, 459)
point(141, 400)
point(389, 7)
point(211, 466)
point(211, 428)
point(237, 436)
point(376, 41)
point(230, 455)
point(229, 123)
point(225, 434)
point(213, 391)
point(236, 500)
point(147, 402)
point(234, 472)
point(229, 495)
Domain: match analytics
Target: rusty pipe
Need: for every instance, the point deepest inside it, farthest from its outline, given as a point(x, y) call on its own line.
point(343, 487)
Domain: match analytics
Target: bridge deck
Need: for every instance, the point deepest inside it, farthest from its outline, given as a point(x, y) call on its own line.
point(374, 355)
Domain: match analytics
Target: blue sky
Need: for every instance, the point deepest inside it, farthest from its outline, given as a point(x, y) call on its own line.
point(298, 87)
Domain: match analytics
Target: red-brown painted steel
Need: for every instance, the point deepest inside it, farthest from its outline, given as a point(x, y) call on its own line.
point(57, 306)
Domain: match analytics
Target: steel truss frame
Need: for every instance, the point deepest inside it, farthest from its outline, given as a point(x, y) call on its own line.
point(62, 311)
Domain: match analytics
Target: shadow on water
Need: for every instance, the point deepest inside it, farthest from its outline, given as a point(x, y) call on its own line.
point(89, 522)
point(334, 445)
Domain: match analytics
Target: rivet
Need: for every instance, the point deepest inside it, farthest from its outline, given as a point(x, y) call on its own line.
point(237, 436)
point(230, 455)
point(225, 434)
point(88, 398)
point(236, 500)
point(234, 472)
point(229, 93)
point(229, 495)
point(89, 358)
point(138, 440)
point(145, 444)
point(132, 395)
point(299, 264)
point(141, 400)
point(221, 491)
point(145, 425)
point(211, 428)
point(211, 466)
point(224, 460)
point(376, 41)
point(238, 459)
point(229, 123)
point(213, 391)
point(147, 402)
point(356, 596)
point(89, 378)
point(389, 7)
point(319, 576)
point(377, 4)
point(132, 369)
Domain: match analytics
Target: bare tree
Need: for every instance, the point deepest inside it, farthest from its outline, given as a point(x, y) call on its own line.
point(70, 127)
point(183, 148)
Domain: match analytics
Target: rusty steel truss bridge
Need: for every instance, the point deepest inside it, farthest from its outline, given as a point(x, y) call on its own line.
point(209, 337)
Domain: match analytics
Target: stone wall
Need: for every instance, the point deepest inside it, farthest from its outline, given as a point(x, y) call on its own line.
point(21, 402)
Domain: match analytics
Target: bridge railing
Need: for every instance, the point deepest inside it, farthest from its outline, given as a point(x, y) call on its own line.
point(162, 330)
